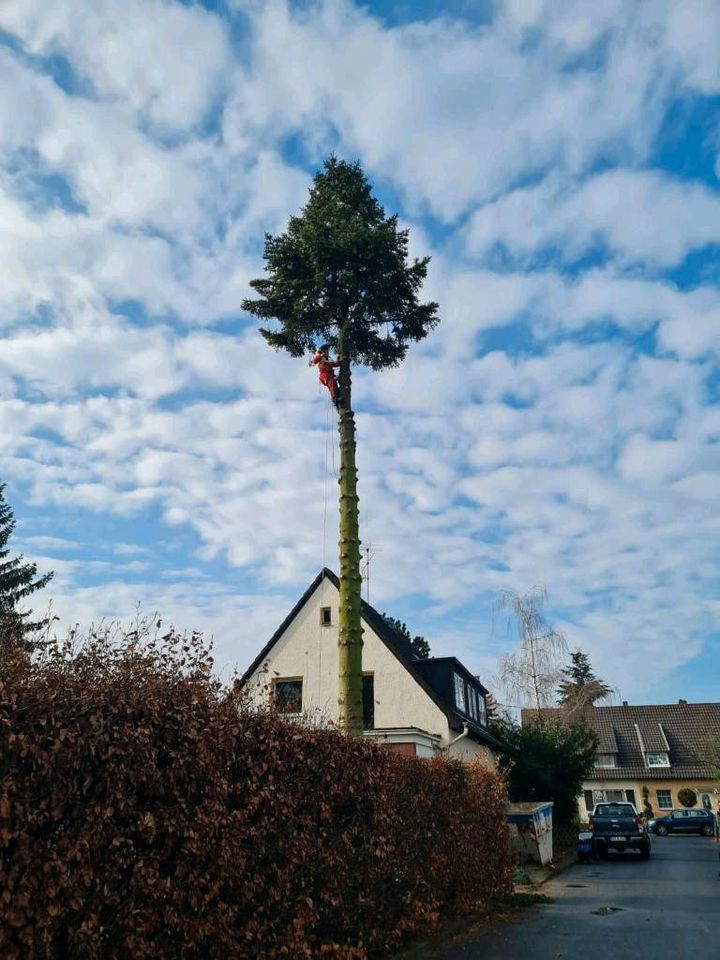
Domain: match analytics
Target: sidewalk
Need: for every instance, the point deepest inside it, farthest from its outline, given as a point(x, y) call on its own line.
point(462, 929)
point(536, 876)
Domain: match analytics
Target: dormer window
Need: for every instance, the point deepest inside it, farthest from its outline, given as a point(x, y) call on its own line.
point(472, 703)
point(657, 759)
point(482, 711)
point(606, 760)
point(459, 686)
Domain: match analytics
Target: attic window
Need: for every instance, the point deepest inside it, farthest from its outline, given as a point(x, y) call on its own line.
point(657, 760)
point(482, 710)
point(606, 760)
point(459, 685)
point(472, 703)
point(326, 616)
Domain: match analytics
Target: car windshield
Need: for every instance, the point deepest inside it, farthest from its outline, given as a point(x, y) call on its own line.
point(615, 810)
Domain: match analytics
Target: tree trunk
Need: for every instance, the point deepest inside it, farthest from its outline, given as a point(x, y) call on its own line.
point(350, 627)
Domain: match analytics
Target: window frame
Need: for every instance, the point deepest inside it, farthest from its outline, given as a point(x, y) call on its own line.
point(276, 703)
point(459, 691)
point(606, 766)
point(472, 703)
point(665, 760)
point(660, 804)
point(323, 621)
point(368, 720)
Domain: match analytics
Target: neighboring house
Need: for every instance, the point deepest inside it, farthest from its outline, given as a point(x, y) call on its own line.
point(416, 707)
point(659, 747)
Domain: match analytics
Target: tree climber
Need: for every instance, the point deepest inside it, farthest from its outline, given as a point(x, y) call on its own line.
point(325, 370)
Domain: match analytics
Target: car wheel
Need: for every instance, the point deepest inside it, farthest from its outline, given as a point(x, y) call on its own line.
point(707, 830)
point(661, 830)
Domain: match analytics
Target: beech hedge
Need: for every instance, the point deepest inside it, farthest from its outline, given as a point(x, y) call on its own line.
point(146, 811)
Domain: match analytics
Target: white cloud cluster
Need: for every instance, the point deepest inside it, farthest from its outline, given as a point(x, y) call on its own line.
point(558, 427)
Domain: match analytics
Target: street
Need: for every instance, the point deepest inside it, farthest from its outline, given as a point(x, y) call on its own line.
point(667, 908)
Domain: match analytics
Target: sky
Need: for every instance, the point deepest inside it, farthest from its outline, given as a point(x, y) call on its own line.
point(559, 161)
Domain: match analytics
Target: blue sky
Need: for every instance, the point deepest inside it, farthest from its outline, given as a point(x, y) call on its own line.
point(558, 160)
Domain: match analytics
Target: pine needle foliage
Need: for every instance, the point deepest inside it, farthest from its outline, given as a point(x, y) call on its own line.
point(340, 275)
point(18, 581)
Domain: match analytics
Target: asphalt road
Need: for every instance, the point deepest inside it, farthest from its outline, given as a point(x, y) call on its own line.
point(667, 908)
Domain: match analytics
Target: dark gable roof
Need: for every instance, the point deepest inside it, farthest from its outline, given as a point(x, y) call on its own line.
point(679, 729)
point(397, 645)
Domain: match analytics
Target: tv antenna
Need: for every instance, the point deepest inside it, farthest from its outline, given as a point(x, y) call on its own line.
point(369, 553)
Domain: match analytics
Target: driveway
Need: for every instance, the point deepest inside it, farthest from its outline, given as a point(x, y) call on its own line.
point(667, 908)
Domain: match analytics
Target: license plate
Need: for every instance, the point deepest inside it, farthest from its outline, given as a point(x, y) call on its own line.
point(617, 839)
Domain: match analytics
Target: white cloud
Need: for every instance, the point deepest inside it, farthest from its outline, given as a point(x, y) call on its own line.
point(165, 60)
point(641, 216)
point(529, 439)
point(494, 107)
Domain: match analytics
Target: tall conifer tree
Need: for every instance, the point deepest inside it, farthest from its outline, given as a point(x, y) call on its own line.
point(340, 275)
point(18, 580)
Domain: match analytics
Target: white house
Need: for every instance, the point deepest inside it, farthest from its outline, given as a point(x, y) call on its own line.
point(414, 706)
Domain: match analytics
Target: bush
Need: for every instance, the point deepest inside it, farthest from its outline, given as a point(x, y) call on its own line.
point(147, 812)
point(687, 797)
point(547, 760)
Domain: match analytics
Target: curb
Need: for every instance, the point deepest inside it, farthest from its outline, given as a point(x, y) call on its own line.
point(564, 860)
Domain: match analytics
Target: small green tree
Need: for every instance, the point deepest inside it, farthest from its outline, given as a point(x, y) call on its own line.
point(340, 276)
point(687, 797)
point(420, 646)
point(580, 688)
point(547, 761)
point(18, 581)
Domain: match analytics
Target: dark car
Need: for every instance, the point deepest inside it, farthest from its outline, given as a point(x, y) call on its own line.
point(684, 821)
point(618, 827)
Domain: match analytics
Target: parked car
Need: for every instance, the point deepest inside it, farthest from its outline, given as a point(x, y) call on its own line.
point(684, 821)
point(618, 826)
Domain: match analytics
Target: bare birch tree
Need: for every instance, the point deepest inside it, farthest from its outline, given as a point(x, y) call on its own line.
point(530, 675)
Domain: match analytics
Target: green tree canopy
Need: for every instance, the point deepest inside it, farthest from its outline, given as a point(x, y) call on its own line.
point(18, 581)
point(580, 688)
point(340, 275)
point(546, 760)
point(420, 646)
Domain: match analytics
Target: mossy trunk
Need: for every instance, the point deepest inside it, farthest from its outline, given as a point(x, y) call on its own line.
point(350, 627)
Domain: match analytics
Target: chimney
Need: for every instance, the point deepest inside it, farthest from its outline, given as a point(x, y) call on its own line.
point(625, 703)
point(682, 703)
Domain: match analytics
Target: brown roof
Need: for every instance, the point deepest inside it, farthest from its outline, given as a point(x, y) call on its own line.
point(681, 730)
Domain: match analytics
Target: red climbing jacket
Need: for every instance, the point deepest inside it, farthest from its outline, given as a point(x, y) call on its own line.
point(325, 370)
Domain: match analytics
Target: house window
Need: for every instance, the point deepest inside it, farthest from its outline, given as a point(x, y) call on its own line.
point(664, 799)
point(605, 760)
point(472, 703)
point(288, 695)
point(658, 760)
point(368, 700)
point(326, 616)
point(459, 691)
point(608, 796)
point(482, 712)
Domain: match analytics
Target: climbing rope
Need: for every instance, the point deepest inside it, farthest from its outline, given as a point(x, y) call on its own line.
point(325, 491)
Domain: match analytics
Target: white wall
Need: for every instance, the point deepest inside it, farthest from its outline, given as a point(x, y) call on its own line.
point(309, 650)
